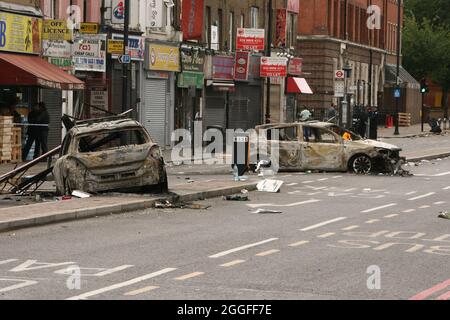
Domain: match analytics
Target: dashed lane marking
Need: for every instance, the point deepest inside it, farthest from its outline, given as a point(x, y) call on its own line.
point(409, 210)
point(439, 203)
point(121, 284)
point(425, 294)
point(350, 228)
point(372, 221)
point(379, 208)
point(232, 263)
point(337, 177)
point(141, 291)
point(425, 207)
point(391, 215)
point(446, 188)
point(442, 174)
point(410, 193)
point(292, 184)
point(323, 224)
point(326, 235)
point(267, 253)
point(350, 190)
point(248, 246)
point(323, 179)
point(306, 182)
point(254, 206)
point(298, 244)
point(189, 276)
point(422, 196)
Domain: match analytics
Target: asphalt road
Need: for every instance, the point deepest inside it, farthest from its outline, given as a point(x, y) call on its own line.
point(339, 236)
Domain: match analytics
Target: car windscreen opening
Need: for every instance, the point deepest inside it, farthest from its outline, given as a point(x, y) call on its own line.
point(97, 142)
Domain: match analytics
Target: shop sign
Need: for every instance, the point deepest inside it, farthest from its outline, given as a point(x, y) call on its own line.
point(250, 39)
point(65, 64)
point(273, 67)
point(295, 66)
point(188, 79)
point(215, 37)
point(192, 19)
point(293, 6)
point(115, 46)
point(193, 60)
point(222, 68)
point(241, 67)
point(281, 28)
point(56, 30)
point(155, 13)
point(56, 48)
point(163, 57)
point(88, 28)
point(118, 11)
point(99, 98)
point(136, 47)
point(89, 53)
point(20, 33)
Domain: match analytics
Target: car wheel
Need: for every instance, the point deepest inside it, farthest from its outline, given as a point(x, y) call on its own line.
point(361, 164)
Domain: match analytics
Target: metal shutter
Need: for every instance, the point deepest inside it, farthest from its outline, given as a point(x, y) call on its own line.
point(155, 109)
point(53, 101)
point(245, 111)
point(214, 112)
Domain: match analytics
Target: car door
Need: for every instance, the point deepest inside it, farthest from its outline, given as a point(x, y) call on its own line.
point(286, 141)
point(322, 149)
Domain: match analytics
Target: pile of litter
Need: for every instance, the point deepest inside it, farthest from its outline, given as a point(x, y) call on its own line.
point(166, 204)
point(444, 215)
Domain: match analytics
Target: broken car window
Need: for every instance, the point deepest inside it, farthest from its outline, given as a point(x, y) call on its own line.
point(283, 134)
point(111, 140)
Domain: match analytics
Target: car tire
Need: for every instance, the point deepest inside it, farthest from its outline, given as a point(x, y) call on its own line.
point(361, 164)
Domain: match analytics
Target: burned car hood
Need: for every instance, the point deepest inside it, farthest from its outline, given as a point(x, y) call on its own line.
point(378, 144)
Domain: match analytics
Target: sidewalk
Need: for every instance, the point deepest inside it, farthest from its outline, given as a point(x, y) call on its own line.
point(405, 132)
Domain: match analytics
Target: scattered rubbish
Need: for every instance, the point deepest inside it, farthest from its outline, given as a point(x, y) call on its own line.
point(444, 215)
point(272, 186)
point(81, 194)
point(236, 173)
point(425, 161)
point(308, 172)
point(166, 204)
point(244, 191)
point(266, 211)
point(66, 198)
point(236, 197)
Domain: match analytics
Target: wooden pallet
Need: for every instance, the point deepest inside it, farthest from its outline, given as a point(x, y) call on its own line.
point(404, 119)
point(16, 154)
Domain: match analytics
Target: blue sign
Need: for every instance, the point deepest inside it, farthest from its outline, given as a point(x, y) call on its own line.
point(397, 93)
point(126, 59)
point(2, 34)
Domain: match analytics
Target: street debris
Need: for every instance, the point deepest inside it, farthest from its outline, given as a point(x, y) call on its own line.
point(266, 211)
point(166, 204)
point(444, 215)
point(271, 186)
point(236, 197)
point(81, 194)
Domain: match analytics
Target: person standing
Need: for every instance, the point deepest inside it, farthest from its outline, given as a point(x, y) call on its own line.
point(43, 120)
point(32, 134)
point(331, 113)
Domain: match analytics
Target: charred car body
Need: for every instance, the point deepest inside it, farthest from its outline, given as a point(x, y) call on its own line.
point(321, 146)
point(109, 155)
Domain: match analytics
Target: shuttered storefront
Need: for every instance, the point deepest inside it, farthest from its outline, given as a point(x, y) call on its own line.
point(245, 107)
point(214, 111)
point(53, 101)
point(154, 113)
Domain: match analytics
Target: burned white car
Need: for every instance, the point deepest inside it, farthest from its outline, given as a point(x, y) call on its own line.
point(325, 146)
point(109, 155)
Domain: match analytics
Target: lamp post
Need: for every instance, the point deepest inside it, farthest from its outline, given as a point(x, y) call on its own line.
point(268, 54)
point(397, 98)
point(346, 112)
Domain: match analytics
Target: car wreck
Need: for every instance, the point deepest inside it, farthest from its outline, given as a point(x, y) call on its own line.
point(110, 154)
point(325, 146)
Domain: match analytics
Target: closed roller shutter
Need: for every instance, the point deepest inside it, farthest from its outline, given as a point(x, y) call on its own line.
point(214, 112)
point(245, 111)
point(155, 109)
point(53, 101)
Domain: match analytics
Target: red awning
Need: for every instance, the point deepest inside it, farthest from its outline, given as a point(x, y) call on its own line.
point(23, 70)
point(298, 85)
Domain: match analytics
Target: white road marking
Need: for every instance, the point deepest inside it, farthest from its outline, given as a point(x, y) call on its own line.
point(411, 193)
point(372, 221)
point(446, 188)
point(323, 224)
point(350, 228)
point(248, 246)
point(422, 196)
point(7, 261)
point(392, 215)
point(121, 284)
point(379, 208)
point(232, 263)
point(297, 244)
point(141, 291)
point(326, 235)
point(253, 206)
point(21, 284)
point(313, 193)
point(409, 210)
point(267, 253)
point(425, 207)
point(189, 276)
point(439, 202)
point(110, 271)
point(292, 184)
point(442, 174)
point(350, 190)
point(305, 182)
point(337, 177)
point(323, 179)
point(287, 176)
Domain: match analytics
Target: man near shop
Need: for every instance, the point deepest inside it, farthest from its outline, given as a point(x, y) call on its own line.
point(32, 134)
point(43, 119)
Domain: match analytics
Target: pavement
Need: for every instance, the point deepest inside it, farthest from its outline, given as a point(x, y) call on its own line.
point(187, 183)
point(339, 236)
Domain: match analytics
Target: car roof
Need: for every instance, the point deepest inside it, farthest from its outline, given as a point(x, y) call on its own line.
point(105, 126)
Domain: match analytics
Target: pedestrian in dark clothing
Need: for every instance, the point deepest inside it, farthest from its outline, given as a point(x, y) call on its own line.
point(32, 134)
point(373, 120)
point(43, 120)
point(363, 118)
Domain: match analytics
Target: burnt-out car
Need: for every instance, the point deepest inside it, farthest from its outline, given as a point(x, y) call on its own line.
point(109, 155)
point(327, 147)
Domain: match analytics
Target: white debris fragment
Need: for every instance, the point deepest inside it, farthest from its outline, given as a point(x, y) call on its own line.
point(80, 194)
point(272, 186)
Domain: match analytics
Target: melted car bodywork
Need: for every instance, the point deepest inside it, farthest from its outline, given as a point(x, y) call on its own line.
point(321, 146)
point(91, 162)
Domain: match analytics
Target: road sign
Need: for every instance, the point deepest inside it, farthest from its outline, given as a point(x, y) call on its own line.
point(339, 89)
point(339, 74)
point(125, 59)
point(397, 93)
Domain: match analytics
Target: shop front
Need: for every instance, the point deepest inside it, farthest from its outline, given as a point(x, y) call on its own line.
point(157, 113)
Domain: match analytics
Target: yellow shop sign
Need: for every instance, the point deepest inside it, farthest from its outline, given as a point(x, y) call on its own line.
point(164, 57)
point(20, 33)
point(56, 30)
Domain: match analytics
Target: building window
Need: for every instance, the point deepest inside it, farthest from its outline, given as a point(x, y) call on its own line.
point(231, 32)
point(254, 17)
point(208, 27)
point(291, 30)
